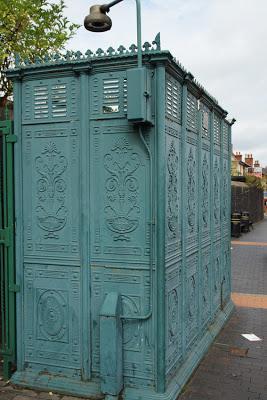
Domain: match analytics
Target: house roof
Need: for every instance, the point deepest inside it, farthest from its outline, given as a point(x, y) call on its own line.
point(244, 164)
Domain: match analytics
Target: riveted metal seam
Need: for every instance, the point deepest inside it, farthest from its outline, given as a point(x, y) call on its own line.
point(183, 214)
point(84, 206)
point(212, 275)
point(160, 267)
point(19, 252)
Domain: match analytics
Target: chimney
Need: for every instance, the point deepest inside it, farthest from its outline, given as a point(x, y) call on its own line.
point(249, 159)
point(238, 156)
point(256, 164)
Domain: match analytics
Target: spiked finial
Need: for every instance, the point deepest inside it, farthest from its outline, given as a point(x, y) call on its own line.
point(156, 42)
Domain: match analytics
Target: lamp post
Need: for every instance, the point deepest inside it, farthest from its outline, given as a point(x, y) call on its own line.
point(99, 21)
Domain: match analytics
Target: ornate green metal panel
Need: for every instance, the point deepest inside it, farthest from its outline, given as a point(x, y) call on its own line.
point(7, 267)
point(50, 142)
point(107, 206)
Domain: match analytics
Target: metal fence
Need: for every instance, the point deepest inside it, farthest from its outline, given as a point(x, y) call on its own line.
point(7, 268)
point(248, 198)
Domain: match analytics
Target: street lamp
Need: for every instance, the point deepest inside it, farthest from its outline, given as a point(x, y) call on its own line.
point(99, 21)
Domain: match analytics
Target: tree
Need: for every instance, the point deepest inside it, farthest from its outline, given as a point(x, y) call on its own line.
point(30, 28)
point(252, 180)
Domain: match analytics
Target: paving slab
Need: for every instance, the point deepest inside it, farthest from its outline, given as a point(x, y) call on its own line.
point(236, 368)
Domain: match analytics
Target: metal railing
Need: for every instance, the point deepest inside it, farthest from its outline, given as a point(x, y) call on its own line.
point(7, 266)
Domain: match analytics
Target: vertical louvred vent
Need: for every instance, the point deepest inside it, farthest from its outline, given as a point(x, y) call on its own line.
point(225, 136)
point(205, 121)
point(108, 95)
point(41, 107)
point(59, 101)
point(173, 100)
point(216, 130)
point(125, 90)
point(191, 112)
point(50, 101)
point(111, 95)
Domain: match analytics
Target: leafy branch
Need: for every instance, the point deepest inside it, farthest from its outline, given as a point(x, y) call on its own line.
point(30, 29)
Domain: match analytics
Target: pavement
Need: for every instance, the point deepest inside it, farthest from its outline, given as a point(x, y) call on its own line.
point(234, 367)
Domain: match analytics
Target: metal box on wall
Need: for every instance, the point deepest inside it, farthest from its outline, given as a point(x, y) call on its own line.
point(104, 206)
point(138, 96)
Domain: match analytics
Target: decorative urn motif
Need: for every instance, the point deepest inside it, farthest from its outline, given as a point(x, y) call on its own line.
point(122, 190)
point(51, 211)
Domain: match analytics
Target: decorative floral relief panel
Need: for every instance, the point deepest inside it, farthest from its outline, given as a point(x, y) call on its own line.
point(191, 191)
point(216, 207)
point(172, 207)
point(217, 286)
point(51, 212)
point(122, 190)
point(174, 316)
point(174, 329)
point(225, 191)
point(205, 289)
point(192, 303)
point(226, 272)
point(173, 309)
point(191, 316)
point(205, 192)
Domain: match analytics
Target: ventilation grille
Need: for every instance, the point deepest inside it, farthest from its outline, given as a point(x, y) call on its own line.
point(111, 95)
point(59, 101)
point(216, 130)
point(50, 101)
point(225, 136)
point(125, 91)
point(173, 100)
point(41, 107)
point(108, 96)
point(205, 122)
point(191, 112)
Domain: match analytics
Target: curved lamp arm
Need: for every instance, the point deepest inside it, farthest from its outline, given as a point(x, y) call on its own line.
point(106, 8)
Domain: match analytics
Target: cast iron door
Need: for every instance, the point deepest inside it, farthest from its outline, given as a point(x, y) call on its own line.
point(50, 207)
point(84, 221)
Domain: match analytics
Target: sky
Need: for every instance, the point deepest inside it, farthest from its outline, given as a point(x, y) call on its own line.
point(223, 43)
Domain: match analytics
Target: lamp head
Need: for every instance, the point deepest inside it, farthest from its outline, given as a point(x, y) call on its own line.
point(97, 20)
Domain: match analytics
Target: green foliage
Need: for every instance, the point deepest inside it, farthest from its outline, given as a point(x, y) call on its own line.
point(254, 181)
point(31, 28)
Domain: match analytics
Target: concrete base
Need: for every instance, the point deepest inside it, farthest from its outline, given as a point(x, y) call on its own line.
point(58, 384)
point(92, 389)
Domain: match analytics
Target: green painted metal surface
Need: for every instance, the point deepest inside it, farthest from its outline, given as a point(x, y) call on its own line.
point(7, 267)
point(107, 206)
point(111, 365)
point(139, 96)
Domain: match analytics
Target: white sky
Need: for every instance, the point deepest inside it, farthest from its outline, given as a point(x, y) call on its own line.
point(223, 43)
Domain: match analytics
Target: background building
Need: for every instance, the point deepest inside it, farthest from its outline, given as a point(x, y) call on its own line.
point(238, 167)
point(249, 180)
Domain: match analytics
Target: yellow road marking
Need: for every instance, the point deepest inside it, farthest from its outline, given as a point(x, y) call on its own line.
point(249, 243)
point(250, 300)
